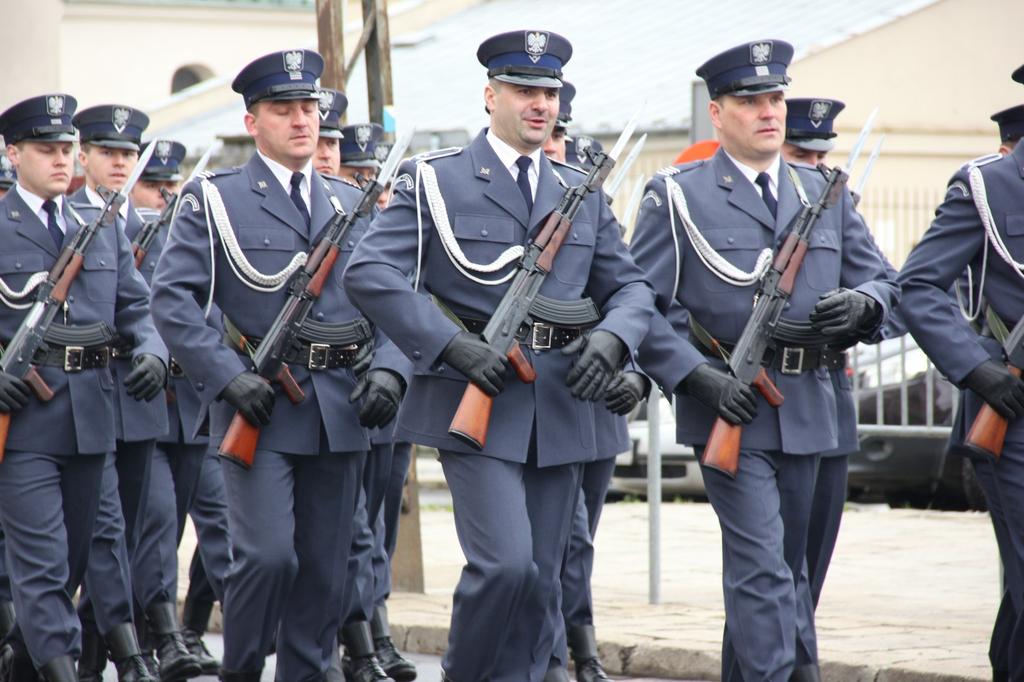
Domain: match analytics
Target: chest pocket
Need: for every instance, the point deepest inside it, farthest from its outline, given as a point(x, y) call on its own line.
point(1014, 224)
point(572, 263)
point(738, 245)
point(483, 238)
point(268, 249)
point(820, 270)
point(99, 275)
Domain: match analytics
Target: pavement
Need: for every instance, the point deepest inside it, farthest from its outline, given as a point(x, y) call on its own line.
point(910, 597)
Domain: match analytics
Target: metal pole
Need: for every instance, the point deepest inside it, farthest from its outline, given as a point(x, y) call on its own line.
point(654, 497)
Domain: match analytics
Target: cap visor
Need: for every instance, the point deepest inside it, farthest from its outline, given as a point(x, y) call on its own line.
point(50, 137)
point(331, 133)
point(114, 144)
point(812, 144)
point(758, 89)
point(360, 164)
point(530, 81)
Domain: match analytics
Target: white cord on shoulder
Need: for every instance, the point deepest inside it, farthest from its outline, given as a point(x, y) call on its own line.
point(439, 213)
point(240, 265)
point(419, 230)
point(985, 213)
point(714, 261)
point(9, 296)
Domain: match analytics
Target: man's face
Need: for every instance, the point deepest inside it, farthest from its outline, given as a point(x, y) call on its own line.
point(554, 146)
point(285, 130)
point(522, 116)
point(751, 127)
point(44, 168)
point(147, 194)
point(794, 154)
point(328, 156)
point(106, 167)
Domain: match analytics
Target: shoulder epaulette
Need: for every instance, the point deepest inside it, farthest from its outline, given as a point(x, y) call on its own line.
point(668, 171)
point(81, 205)
point(436, 154)
point(984, 160)
point(219, 172)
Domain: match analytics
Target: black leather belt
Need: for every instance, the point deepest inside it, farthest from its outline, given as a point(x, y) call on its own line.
point(790, 359)
point(538, 335)
point(315, 356)
point(73, 358)
point(321, 346)
point(175, 369)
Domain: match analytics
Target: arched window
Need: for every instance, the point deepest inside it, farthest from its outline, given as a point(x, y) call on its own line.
point(187, 76)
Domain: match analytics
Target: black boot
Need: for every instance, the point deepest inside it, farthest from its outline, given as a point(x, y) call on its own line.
point(583, 649)
point(176, 663)
point(15, 663)
point(194, 620)
point(6, 618)
point(240, 676)
point(124, 651)
point(358, 641)
point(93, 660)
point(397, 667)
point(808, 672)
point(60, 669)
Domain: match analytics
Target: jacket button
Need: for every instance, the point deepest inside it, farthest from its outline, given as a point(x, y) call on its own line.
point(266, 241)
point(417, 355)
point(200, 386)
point(152, 264)
point(730, 240)
point(440, 369)
point(484, 233)
point(18, 265)
point(786, 307)
point(71, 299)
point(351, 242)
point(319, 316)
point(575, 235)
point(102, 262)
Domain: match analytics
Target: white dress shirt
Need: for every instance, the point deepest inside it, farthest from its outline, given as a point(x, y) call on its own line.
point(35, 204)
point(509, 156)
point(284, 176)
point(751, 174)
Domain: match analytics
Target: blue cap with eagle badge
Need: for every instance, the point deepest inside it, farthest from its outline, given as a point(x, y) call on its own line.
point(1011, 123)
point(332, 105)
point(8, 176)
point(576, 150)
point(165, 163)
point(111, 125)
point(288, 74)
point(46, 118)
point(748, 69)
point(532, 58)
point(565, 98)
point(359, 145)
point(809, 122)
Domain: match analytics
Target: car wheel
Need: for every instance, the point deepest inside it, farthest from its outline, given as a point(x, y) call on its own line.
point(972, 488)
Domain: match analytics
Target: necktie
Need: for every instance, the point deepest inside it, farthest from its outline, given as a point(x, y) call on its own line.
point(50, 206)
point(296, 195)
point(762, 181)
point(523, 180)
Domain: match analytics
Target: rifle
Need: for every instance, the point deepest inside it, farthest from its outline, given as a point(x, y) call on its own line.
point(240, 440)
point(473, 415)
point(989, 428)
point(53, 292)
point(746, 361)
point(143, 241)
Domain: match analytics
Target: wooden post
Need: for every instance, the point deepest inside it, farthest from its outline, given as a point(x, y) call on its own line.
point(407, 566)
point(331, 42)
point(378, 58)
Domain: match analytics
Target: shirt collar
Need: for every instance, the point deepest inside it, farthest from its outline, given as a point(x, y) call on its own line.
point(96, 200)
point(751, 174)
point(508, 155)
point(36, 202)
point(284, 175)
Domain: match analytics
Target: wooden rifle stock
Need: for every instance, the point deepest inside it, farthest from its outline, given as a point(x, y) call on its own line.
point(139, 254)
point(989, 428)
point(722, 451)
point(41, 390)
point(239, 444)
point(473, 415)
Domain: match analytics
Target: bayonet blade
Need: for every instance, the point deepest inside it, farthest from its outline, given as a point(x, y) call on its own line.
point(627, 133)
point(395, 157)
point(861, 139)
point(629, 217)
point(140, 166)
point(204, 160)
point(623, 168)
point(859, 190)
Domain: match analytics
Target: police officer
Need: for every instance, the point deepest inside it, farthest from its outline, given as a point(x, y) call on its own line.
point(514, 498)
point(701, 228)
point(973, 224)
point(291, 513)
point(576, 627)
point(110, 141)
point(332, 107)
point(359, 152)
point(50, 477)
point(8, 178)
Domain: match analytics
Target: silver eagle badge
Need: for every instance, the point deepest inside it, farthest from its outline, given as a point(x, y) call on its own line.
point(760, 53)
point(363, 134)
point(163, 151)
point(55, 105)
point(293, 63)
point(536, 45)
point(326, 101)
point(819, 111)
point(119, 117)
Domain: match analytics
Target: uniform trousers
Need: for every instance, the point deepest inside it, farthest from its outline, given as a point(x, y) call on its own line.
point(391, 512)
point(5, 577)
point(826, 514)
point(211, 559)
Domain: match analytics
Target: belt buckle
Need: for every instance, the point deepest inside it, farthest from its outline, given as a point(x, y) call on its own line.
point(74, 357)
point(318, 356)
point(540, 338)
point(792, 360)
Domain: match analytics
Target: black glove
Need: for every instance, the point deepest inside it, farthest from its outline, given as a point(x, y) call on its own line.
point(601, 358)
point(148, 377)
point(995, 385)
point(731, 398)
point(624, 392)
point(843, 312)
point(481, 364)
point(383, 391)
point(14, 393)
point(252, 396)
point(364, 358)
